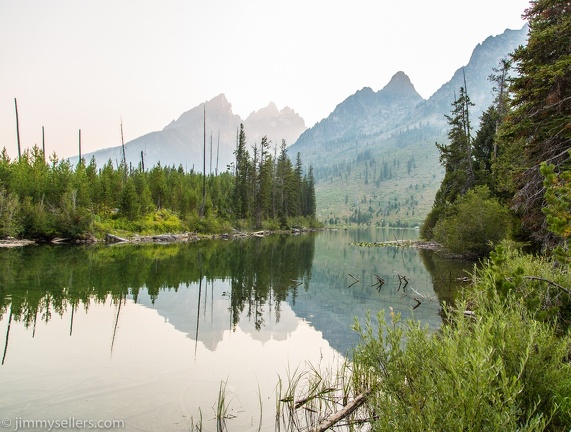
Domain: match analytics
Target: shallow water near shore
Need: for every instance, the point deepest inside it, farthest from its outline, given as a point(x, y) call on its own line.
point(148, 334)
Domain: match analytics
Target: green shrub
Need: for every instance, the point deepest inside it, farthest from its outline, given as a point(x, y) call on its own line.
point(71, 220)
point(538, 281)
point(37, 221)
point(427, 227)
point(474, 224)
point(271, 225)
point(500, 370)
point(10, 225)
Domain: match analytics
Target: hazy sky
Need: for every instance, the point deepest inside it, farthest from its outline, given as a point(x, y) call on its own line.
point(85, 64)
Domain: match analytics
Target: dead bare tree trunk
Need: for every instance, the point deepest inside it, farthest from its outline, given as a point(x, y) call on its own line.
point(43, 144)
point(17, 129)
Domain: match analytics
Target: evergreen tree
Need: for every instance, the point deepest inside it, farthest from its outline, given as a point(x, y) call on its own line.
point(129, 205)
point(297, 180)
point(264, 178)
point(310, 199)
point(456, 157)
point(144, 195)
point(158, 185)
point(485, 147)
point(283, 168)
point(537, 130)
point(241, 179)
point(110, 183)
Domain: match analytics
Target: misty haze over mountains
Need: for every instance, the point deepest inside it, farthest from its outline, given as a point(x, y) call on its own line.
point(181, 142)
point(398, 106)
point(358, 153)
point(374, 157)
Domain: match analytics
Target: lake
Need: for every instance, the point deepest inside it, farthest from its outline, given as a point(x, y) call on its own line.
point(147, 335)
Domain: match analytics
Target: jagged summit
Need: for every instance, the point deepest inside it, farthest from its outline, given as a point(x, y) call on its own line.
point(218, 106)
point(366, 112)
point(274, 124)
point(399, 86)
point(269, 111)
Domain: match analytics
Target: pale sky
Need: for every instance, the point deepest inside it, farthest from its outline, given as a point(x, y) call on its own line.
point(87, 64)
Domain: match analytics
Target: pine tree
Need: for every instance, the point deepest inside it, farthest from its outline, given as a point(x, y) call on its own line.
point(537, 130)
point(456, 157)
point(242, 177)
point(283, 170)
point(129, 204)
point(264, 178)
point(310, 199)
point(485, 147)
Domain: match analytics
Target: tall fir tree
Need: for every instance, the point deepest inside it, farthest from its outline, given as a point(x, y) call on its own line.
point(537, 129)
point(456, 157)
point(242, 177)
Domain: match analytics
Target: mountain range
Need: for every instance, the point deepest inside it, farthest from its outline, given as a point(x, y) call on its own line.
point(373, 157)
point(181, 142)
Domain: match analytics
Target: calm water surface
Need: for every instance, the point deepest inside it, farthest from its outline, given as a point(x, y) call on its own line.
point(147, 334)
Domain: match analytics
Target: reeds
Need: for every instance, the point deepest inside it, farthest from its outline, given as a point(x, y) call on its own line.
point(315, 396)
point(306, 400)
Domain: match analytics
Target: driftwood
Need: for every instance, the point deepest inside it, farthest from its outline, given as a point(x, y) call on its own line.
point(341, 414)
point(356, 280)
point(401, 279)
point(111, 238)
point(59, 240)
point(15, 243)
point(380, 281)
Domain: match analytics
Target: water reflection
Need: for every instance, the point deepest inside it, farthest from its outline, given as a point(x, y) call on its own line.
point(325, 278)
point(124, 327)
point(38, 282)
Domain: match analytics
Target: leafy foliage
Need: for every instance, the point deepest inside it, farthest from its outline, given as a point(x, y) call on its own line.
point(501, 371)
point(474, 224)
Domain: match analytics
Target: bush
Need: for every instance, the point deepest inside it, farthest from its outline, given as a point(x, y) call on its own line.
point(271, 225)
point(538, 281)
point(37, 221)
point(501, 370)
point(427, 227)
point(10, 225)
point(474, 224)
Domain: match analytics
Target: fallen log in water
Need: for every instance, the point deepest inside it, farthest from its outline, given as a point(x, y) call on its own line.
point(347, 410)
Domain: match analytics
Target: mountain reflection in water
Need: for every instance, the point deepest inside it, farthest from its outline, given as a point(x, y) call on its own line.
point(120, 326)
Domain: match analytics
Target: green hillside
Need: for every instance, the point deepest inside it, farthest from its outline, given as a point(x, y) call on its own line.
point(384, 180)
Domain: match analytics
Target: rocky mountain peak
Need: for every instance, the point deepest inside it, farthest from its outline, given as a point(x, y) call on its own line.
point(275, 124)
point(269, 111)
point(399, 87)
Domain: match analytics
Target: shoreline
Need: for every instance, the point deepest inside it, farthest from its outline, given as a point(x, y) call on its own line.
point(112, 239)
